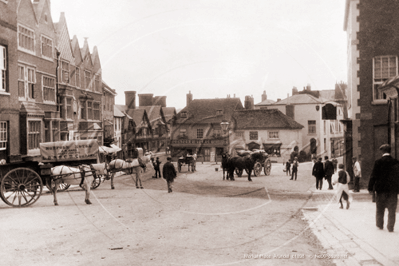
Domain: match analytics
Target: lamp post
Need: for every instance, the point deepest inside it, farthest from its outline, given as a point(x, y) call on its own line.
point(225, 126)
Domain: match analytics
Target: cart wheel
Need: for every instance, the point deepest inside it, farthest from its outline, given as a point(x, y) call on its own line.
point(257, 169)
point(179, 167)
point(96, 182)
point(268, 167)
point(21, 187)
point(239, 172)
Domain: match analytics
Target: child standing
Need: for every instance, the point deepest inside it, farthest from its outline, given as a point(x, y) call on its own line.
point(295, 165)
point(288, 167)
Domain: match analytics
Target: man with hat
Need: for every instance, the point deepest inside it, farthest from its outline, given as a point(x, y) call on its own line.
point(169, 173)
point(384, 181)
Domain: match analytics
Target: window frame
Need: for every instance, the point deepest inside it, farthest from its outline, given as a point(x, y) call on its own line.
point(77, 77)
point(46, 87)
point(29, 133)
point(31, 83)
point(89, 106)
point(65, 71)
point(23, 80)
point(183, 132)
point(312, 125)
point(96, 111)
point(83, 110)
point(51, 47)
point(33, 38)
point(3, 135)
point(3, 68)
point(87, 74)
point(377, 95)
point(252, 135)
point(200, 133)
point(273, 134)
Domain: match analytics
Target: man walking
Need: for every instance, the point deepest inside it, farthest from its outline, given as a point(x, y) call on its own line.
point(157, 168)
point(358, 174)
point(169, 173)
point(384, 181)
point(318, 172)
point(328, 171)
point(343, 188)
point(295, 165)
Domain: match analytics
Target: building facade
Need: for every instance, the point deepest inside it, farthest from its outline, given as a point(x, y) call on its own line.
point(108, 114)
point(197, 127)
point(9, 104)
point(373, 49)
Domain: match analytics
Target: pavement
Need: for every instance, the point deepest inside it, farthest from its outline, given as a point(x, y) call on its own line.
point(350, 236)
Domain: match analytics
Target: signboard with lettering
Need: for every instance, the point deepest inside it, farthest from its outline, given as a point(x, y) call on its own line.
point(69, 150)
point(199, 141)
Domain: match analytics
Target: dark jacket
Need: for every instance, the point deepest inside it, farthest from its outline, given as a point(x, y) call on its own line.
point(343, 178)
point(169, 171)
point(318, 169)
point(156, 164)
point(328, 168)
point(385, 175)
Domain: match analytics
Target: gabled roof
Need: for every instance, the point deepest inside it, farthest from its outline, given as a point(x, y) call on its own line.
point(95, 58)
point(63, 40)
point(154, 113)
point(32, 9)
point(108, 88)
point(301, 99)
point(118, 113)
point(265, 102)
point(138, 116)
point(205, 110)
point(168, 112)
point(263, 119)
point(76, 51)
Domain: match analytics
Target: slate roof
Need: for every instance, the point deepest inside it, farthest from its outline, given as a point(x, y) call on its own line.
point(168, 112)
point(328, 94)
point(265, 102)
point(138, 115)
point(118, 113)
point(108, 88)
point(301, 99)
point(121, 107)
point(264, 119)
point(153, 112)
point(204, 110)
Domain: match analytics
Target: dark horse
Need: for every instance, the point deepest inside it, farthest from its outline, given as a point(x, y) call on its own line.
point(225, 165)
point(246, 162)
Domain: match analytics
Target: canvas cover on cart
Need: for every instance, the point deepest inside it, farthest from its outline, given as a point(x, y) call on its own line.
point(69, 150)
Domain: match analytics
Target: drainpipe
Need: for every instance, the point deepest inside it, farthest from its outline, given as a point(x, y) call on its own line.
point(56, 83)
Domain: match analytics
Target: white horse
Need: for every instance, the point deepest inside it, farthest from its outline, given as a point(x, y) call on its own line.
point(128, 167)
point(73, 176)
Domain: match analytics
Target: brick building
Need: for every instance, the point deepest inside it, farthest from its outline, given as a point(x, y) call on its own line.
point(373, 49)
point(9, 105)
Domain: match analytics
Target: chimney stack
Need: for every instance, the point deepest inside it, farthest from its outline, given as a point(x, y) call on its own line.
point(249, 102)
point(264, 96)
point(130, 99)
point(294, 91)
point(189, 98)
point(159, 100)
point(145, 99)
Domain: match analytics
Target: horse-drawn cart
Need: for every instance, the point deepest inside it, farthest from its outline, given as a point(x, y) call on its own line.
point(262, 163)
point(21, 183)
point(188, 160)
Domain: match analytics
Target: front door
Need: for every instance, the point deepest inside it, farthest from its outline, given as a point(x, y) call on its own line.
point(207, 154)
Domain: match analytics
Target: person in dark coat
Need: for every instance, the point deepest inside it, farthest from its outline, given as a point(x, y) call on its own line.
point(157, 163)
point(328, 171)
point(384, 180)
point(288, 167)
point(295, 165)
point(318, 172)
point(169, 173)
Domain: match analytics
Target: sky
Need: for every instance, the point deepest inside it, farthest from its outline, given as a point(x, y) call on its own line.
point(212, 48)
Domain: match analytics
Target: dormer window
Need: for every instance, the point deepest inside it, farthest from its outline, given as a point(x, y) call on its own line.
point(219, 112)
point(183, 115)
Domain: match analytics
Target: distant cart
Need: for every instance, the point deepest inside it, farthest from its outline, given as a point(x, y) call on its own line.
point(188, 160)
point(263, 163)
